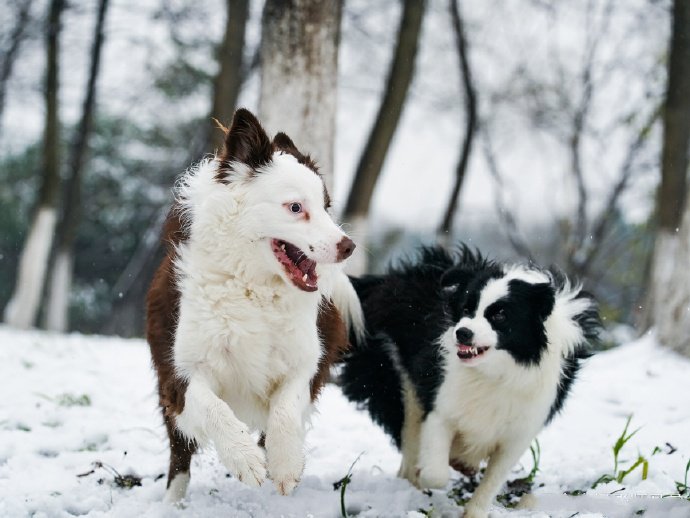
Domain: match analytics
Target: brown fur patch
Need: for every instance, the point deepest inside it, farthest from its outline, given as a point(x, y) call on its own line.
point(162, 308)
point(281, 142)
point(334, 344)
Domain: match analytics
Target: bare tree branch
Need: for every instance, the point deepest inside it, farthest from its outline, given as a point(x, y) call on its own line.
point(605, 218)
point(579, 124)
point(505, 215)
point(9, 56)
point(470, 119)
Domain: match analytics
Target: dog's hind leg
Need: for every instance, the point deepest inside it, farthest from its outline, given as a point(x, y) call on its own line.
point(181, 451)
point(206, 417)
point(410, 433)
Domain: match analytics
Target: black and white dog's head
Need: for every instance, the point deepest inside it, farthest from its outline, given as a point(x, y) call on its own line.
point(502, 314)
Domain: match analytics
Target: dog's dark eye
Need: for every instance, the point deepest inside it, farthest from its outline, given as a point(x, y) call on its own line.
point(295, 208)
point(499, 316)
point(466, 311)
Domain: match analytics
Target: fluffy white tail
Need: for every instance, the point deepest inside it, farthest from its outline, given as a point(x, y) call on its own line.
point(346, 300)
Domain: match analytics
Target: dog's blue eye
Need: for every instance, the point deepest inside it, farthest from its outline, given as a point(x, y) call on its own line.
point(295, 208)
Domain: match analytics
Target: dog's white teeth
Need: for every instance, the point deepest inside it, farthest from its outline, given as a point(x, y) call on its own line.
point(474, 350)
point(282, 247)
point(304, 277)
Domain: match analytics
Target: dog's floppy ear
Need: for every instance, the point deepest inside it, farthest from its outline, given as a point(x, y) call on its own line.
point(246, 141)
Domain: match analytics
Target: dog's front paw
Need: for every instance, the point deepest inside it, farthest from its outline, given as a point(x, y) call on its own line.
point(285, 465)
point(286, 485)
point(432, 477)
point(245, 460)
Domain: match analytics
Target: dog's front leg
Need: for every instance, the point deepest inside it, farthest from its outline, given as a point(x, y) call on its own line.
point(285, 433)
point(435, 440)
point(504, 457)
point(207, 417)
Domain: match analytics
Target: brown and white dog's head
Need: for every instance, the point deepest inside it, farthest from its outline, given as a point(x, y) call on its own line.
point(270, 196)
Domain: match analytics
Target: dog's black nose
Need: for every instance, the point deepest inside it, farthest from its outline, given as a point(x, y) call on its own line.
point(464, 335)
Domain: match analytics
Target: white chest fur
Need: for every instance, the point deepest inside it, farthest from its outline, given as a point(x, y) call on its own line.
point(245, 341)
point(490, 408)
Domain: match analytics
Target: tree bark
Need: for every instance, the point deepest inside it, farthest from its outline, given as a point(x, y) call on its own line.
point(10, 55)
point(670, 281)
point(674, 161)
point(299, 73)
point(25, 301)
point(56, 315)
point(228, 81)
point(372, 159)
point(445, 231)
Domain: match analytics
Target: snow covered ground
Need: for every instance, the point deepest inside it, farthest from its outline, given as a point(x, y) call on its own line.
point(69, 401)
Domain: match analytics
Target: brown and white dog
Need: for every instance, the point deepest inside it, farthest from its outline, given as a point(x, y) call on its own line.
point(249, 307)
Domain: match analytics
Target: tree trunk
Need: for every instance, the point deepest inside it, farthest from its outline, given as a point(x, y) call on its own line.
point(299, 73)
point(24, 304)
point(374, 154)
point(445, 231)
point(57, 311)
point(230, 70)
point(670, 279)
point(10, 55)
point(673, 316)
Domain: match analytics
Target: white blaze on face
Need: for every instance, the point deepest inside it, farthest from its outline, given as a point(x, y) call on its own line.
point(483, 334)
point(269, 199)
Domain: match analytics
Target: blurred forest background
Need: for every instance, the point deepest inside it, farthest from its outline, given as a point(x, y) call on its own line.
point(544, 130)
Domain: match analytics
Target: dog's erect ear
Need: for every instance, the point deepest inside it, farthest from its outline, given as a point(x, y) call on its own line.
point(281, 142)
point(284, 143)
point(246, 141)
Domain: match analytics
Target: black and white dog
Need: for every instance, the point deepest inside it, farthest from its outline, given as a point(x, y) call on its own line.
point(466, 360)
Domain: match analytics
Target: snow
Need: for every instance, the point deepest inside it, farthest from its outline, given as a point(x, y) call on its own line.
point(47, 439)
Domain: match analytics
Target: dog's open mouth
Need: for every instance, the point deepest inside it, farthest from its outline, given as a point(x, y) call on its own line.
point(300, 269)
point(468, 352)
